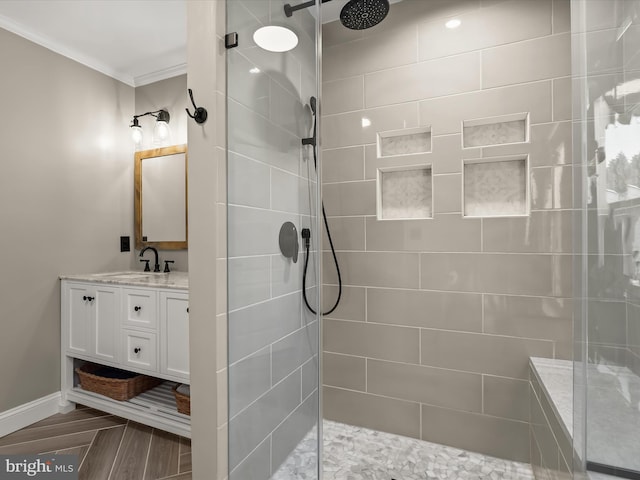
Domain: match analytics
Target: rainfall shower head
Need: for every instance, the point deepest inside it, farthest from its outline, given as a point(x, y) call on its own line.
point(362, 14)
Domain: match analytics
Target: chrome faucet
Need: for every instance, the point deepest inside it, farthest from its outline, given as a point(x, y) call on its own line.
point(156, 267)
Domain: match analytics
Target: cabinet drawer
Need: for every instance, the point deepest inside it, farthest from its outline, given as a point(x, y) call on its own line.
point(139, 349)
point(140, 308)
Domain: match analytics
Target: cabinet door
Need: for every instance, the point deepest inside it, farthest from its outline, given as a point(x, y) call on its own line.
point(174, 321)
point(77, 313)
point(106, 323)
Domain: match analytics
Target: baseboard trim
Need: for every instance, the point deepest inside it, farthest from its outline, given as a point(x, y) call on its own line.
point(29, 413)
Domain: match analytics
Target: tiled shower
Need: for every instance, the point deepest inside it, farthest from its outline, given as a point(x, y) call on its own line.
point(455, 141)
point(447, 182)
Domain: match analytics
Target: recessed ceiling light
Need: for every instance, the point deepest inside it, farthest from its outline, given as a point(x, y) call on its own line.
point(453, 23)
point(275, 39)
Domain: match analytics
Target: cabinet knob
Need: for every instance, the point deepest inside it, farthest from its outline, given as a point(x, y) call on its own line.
point(86, 298)
point(137, 350)
point(187, 309)
point(137, 308)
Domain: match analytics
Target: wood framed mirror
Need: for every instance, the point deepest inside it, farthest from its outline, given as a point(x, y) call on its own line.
point(160, 198)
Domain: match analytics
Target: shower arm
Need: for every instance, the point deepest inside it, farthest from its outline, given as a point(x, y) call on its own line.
point(288, 9)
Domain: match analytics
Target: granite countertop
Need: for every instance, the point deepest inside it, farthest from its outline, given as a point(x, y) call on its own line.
point(175, 280)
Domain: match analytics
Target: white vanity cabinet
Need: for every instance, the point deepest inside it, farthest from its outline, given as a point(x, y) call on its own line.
point(138, 326)
point(89, 311)
point(174, 334)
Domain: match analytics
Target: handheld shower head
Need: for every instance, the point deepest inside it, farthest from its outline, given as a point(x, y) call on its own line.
point(362, 14)
point(312, 105)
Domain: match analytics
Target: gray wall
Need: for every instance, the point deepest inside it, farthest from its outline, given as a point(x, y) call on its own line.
point(171, 95)
point(439, 316)
point(66, 196)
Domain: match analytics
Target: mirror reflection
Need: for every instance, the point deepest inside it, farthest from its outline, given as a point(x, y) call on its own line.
point(161, 198)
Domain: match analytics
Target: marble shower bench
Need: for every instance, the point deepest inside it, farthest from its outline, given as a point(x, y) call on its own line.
point(613, 421)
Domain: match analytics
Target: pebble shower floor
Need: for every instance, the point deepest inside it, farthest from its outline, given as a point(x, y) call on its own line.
point(354, 453)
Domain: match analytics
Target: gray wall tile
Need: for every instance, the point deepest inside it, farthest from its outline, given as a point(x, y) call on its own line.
point(251, 427)
point(506, 397)
point(445, 114)
point(343, 164)
point(448, 311)
point(435, 78)
point(351, 306)
point(371, 411)
point(385, 342)
point(345, 371)
point(489, 435)
point(256, 465)
point(373, 162)
point(546, 275)
point(538, 59)
point(528, 317)
point(348, 129)
point(551, 187)
point(505, 23)
point(447, 233)
point(447, 388)
point(285, 275)
point(249, 281)
point(242, 172)
point(447, 194)
point(343, 95)
point(309, 372)
point(561, 16)
point(249, 379)
point(351, 198)
point(540, 232)
point(376, 52)
point(472, 352)
point(375, 269)
point(293, 351)
point(562, 97)
point(257, 326)
point(261, 139)
point(550, 145)
point(244, 222)
point(287, 436)
point(347, 233)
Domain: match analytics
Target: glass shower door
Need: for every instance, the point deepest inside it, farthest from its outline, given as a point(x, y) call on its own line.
point(607, 128)
point(272, 197)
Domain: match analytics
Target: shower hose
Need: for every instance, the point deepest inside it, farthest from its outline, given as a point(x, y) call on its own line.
point(306, 235)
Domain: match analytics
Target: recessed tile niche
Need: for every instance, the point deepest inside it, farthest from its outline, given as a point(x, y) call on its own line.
point(501, 130)
point(405, 193)
point(496, 187)
point(404, 142)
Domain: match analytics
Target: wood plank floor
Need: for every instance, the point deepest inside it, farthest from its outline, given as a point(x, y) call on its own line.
point(108, 447)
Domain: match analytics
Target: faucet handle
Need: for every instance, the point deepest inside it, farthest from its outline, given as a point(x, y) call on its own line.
point(166, 265)
point(146, 265)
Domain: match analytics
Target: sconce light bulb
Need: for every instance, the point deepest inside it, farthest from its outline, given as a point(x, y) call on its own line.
point(136, 134)
point(161, 131)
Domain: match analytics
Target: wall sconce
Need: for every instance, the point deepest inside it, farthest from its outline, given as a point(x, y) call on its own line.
point(160, 131)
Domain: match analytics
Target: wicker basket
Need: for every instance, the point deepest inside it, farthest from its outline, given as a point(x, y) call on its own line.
point(116, 388)
point(183, 402)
